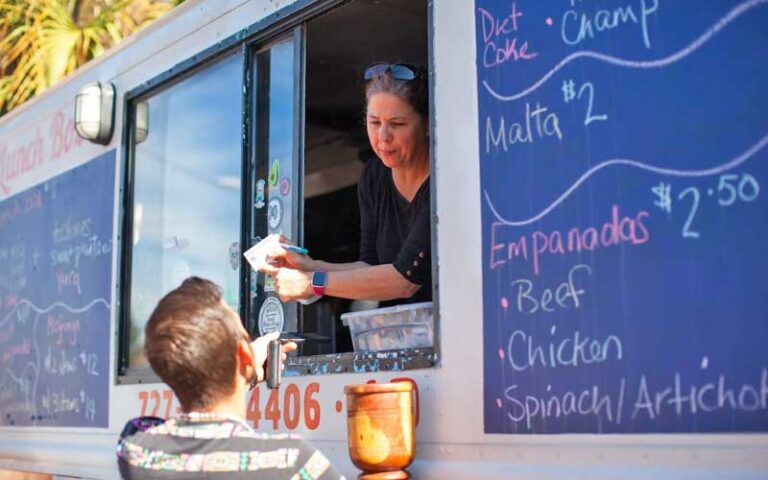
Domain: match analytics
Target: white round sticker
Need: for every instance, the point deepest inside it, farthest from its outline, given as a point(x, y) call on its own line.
point(271, 316)
point(274, 213)
point(234, 255)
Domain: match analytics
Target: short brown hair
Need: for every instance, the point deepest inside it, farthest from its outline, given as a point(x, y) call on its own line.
point(191, 342)
point(414, 91)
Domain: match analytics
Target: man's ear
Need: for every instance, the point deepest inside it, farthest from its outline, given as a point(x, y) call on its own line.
point(245, 359)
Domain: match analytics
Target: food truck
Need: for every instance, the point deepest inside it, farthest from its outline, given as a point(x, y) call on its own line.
point(599, 217)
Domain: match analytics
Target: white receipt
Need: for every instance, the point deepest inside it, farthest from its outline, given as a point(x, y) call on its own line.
point(258, 256)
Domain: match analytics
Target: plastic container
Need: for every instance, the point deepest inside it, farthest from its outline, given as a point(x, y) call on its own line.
point(391, 328)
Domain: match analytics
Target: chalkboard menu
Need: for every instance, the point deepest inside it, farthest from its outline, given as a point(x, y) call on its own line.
point(55, 277)
point(624, 185)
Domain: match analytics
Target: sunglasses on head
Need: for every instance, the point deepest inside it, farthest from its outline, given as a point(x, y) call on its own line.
point(399, 71)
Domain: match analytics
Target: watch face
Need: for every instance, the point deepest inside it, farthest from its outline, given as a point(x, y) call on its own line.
point(319, 279)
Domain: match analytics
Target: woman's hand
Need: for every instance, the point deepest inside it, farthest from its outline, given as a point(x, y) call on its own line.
point(278, 257)
point(297, 261)
point(291, 284)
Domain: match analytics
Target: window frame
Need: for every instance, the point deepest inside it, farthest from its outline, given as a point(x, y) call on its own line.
point(288, 21)
point(125, 373)
point(255, 150)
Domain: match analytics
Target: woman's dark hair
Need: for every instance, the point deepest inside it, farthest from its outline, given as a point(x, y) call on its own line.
point(415, 91)
point(191, 339)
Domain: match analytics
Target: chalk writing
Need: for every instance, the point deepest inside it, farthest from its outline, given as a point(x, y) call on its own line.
point(566, 295)
point(680, 397)
point(705, 37)
point(61, 364)
point(749, 153)
point(524, 351)
point(569, 95)
point(21, 349)
point(670, 400)
point(59, 329)
point(538, 245)
point(663, 193)
point(499, 135)
point(69, 229)
point(91, 248)
point(590, 401)
point(731, 188)
point(55, 271)
point(7, 334)
point(500, 44)
point(577, 27)
point(622, 261)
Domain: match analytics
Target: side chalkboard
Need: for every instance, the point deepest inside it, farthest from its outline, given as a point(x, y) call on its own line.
point(624, 183)
point(55, 298)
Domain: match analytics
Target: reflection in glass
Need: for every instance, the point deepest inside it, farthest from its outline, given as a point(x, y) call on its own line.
point(141, 127)
point(186, 191)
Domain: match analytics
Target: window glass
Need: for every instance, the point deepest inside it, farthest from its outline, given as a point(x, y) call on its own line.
point(187, 193)
point(275, 169)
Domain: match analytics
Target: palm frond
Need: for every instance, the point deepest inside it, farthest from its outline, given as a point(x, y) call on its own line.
point(42, 41)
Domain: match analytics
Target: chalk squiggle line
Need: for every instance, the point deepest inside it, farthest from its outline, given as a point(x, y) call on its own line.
point(731, 16)
point(30, 399)
point(37, 372)
point(632, 163)
point(29, 396)
point(41, 311)
point(20, 378)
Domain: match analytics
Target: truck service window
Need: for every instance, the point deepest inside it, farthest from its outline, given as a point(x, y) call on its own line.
point(339, 46)
point(226, 149)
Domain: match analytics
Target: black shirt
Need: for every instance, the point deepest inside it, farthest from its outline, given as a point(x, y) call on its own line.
point(393, 230)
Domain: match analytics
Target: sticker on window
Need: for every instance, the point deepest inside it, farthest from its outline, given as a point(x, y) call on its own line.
point(274, 173)
point(269, 283)
point(259, 201)
point(271, 316)
point(234, 255)
point(274, 213)
point(285, 186)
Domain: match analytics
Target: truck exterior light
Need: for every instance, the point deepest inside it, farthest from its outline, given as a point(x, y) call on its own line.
point(95, 112)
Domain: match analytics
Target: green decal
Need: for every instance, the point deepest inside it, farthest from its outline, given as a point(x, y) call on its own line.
point(274, 172)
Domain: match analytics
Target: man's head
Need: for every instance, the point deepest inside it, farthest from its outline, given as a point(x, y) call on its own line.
point(194, 342)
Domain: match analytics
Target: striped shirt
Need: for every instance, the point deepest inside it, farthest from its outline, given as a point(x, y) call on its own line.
point(226, 447)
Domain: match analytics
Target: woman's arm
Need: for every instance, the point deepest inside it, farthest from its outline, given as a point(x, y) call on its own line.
point(378, 282)
point(280, 257)
point(322, 266)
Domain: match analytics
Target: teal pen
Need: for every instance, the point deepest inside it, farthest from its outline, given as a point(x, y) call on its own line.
point(295, 248)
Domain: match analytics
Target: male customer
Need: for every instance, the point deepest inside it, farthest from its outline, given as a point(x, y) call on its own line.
point(198, 346)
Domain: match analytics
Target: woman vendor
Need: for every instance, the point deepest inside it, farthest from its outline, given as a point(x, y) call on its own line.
point(394, 266)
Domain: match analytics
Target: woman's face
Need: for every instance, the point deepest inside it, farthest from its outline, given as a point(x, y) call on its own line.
point(398, 134)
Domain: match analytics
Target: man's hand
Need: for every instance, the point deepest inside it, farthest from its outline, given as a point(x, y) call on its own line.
point(259, 348)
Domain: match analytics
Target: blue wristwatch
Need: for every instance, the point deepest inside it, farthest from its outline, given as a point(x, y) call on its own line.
point(319, 280)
